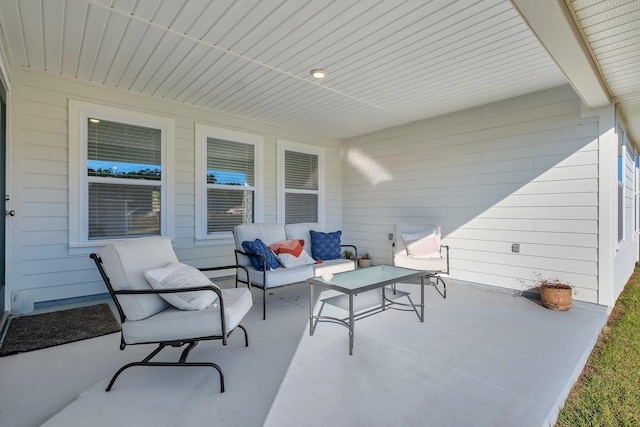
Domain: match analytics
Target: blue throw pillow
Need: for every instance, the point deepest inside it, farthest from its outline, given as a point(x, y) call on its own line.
point(325, 246)
point(258, 247)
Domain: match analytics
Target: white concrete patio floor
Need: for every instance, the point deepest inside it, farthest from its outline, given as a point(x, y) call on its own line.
point(481, 358)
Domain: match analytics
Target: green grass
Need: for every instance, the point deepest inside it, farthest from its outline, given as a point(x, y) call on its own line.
point(608, 391)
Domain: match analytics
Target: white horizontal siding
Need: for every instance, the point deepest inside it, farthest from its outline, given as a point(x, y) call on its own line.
point(521, 171)
point(41, 263)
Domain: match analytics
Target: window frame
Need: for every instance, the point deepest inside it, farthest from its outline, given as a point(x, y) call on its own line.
point(636, 196)
point(202, 132)
point(285, 145)
point(79, 113)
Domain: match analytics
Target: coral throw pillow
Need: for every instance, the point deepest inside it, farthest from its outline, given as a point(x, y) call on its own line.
point(293, 247)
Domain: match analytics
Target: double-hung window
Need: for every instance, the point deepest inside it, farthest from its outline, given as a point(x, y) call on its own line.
point(301, 183)
point(119, 174)
point(227, 176)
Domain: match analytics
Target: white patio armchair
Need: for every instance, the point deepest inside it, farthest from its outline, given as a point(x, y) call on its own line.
point(419, 247)
point(164, 302)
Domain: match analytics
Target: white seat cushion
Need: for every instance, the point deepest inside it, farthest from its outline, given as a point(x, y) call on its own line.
point(433, 265)
point(278, 277)
point(333, 266)
point(174, 324)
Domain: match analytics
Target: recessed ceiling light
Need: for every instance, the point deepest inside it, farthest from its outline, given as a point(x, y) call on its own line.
point(92, 120)
point(318, 73)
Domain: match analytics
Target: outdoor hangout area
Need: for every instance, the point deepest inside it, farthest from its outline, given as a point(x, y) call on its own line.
point(481, 357)
point(317, 213)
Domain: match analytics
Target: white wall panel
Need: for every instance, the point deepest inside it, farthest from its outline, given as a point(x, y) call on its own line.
point(40, 196)
point(521, 171)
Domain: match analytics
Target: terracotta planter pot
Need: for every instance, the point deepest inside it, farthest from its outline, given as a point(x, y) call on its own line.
point(364, 262)
point(556, 296)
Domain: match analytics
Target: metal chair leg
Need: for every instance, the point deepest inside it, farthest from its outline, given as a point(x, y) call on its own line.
point(183, 362)
point(443, 293)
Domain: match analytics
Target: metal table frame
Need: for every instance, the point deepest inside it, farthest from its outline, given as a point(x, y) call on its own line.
point(362, 280)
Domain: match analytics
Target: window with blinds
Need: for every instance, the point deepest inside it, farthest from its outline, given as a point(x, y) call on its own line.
point(301, 192)
point(230, 175)
point(124, 174)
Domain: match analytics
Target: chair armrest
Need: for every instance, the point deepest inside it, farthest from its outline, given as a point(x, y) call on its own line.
point(228, 267)
point(264, 260)
point(446, 254)
point(355, 250)
point(264, 267)
point(211, 287)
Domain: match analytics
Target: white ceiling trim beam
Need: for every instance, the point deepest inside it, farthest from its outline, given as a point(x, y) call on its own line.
point(552, 23)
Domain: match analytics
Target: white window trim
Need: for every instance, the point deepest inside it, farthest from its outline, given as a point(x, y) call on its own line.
point(284, 145)
point(202, 132)
point(622, 205)
point(636, 195)
point(79, 113)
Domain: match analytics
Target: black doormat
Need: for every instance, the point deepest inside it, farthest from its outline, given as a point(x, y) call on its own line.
point(34, 332)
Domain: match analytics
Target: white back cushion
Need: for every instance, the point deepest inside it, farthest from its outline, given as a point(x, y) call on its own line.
point(267, 232)
point(301, 232)
point(125, 263)
point(421, 244)
point(399, 246)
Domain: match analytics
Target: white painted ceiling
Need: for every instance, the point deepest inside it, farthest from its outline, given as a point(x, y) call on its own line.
point(390, 62)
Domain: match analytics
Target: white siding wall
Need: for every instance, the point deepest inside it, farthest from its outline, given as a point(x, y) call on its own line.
point(521, 171)
point(627, 250)
point(40, 260)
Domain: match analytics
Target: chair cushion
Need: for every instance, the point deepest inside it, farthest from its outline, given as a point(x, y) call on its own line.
point(173, 324)
point(433, 265)
point(291, 253)
point(301, 230)
point(278, 277)
point(333, 266)
point(402, 228)
point(178, 275)
point(267, 232)
point(125, 262)
point(257, 247)
point(290, 260)
point(422, 244)
point(325, 246)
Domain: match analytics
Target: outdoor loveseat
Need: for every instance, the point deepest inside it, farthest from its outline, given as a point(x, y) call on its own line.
point(279, 265)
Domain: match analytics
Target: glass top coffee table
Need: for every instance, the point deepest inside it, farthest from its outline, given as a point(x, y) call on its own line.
point(361, 280)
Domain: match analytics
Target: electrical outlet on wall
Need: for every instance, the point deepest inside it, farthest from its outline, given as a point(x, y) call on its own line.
point(515, 248)
point(390, 236)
